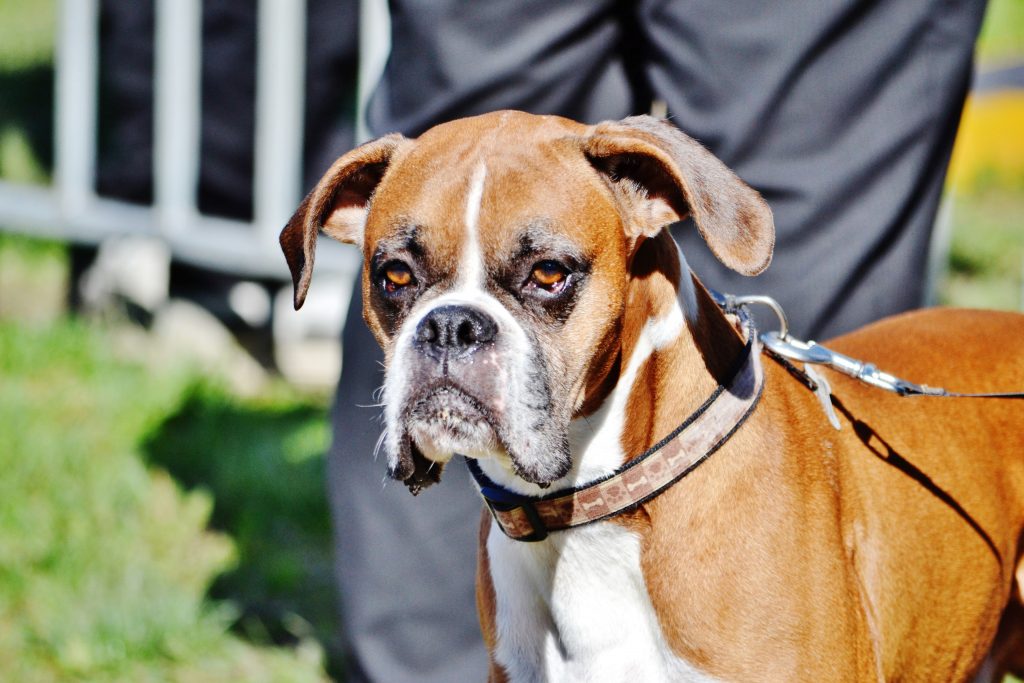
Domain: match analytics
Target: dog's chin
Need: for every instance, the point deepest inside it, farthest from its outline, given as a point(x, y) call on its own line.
point(446, 420)
point(441, 445)
point(438, 423)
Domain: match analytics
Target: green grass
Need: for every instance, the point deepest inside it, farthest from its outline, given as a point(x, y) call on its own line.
point(1002, 33)
point(986, 260)
point(155, 457)
point(33, 279)
point(263, 462)
point(27, 30)
point(113, 471)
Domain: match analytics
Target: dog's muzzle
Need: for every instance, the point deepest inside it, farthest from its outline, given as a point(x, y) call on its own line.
point(467, 379)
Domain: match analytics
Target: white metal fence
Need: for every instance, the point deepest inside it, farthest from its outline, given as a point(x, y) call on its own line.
point(70, 209)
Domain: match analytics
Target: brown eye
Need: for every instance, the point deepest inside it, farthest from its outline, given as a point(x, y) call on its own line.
point(396, 276)
point(548, 274)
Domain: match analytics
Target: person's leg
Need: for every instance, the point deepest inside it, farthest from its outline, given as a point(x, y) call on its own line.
point(228, 119)
point(124, 168)
point(451, 59)
point(842, 113)
point(406, 565)
point(332, 57)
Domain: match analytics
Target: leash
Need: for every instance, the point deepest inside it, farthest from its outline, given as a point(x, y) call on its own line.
point(525, 518)
point(786, 349)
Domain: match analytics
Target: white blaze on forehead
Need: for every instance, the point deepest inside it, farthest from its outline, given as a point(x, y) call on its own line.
point(512, 345)
point(472, 266)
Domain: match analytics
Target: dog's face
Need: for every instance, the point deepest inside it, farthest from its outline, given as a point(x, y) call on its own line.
point(496, 253)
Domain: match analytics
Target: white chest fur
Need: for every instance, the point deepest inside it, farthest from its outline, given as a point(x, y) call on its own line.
point(575, 608)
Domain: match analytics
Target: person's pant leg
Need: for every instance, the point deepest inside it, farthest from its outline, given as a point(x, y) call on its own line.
point(842, 113)
point(451, 59)
point(332, 56)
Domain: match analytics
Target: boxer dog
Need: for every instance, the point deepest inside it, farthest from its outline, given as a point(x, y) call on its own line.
point(537, 318)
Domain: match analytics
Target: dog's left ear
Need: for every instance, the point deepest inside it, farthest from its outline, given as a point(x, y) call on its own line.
point(661, 175)
point(337, 205)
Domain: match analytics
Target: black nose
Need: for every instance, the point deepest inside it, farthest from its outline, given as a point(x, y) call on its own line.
point(454, 331)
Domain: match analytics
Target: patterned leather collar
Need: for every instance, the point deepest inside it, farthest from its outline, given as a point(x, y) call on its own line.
point(524, 518)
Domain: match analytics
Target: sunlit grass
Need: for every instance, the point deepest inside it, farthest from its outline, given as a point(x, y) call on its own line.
point(105, 561)
point(986, 261)
point(27, 30)
point(1002, 33)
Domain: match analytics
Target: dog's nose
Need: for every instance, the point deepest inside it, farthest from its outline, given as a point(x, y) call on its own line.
point(454, 331)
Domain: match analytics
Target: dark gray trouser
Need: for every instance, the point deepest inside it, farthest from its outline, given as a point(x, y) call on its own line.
point(841, 112)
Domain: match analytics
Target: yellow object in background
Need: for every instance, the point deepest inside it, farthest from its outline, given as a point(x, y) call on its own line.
point(989, 150)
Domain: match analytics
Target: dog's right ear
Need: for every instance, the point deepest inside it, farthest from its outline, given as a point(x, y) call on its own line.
point(337, 205)
point(664, 175)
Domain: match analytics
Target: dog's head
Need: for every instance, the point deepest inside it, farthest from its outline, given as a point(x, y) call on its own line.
point(496, 251)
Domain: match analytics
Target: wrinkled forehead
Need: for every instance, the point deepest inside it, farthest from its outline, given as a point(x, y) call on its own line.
point(498, 184)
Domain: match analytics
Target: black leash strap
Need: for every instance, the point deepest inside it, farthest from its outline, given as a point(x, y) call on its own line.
point(925, 390)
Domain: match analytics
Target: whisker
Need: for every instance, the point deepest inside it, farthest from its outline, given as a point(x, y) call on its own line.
point(380, 442)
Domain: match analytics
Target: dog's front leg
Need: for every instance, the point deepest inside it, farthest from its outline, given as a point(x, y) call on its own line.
point(521, 639)
point(573, 608)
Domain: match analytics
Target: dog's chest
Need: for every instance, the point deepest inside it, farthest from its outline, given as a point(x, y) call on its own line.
point(575, 608)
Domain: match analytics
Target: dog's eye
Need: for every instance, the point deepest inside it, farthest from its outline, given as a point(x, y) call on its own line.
point(548, 274)
point(396, 275)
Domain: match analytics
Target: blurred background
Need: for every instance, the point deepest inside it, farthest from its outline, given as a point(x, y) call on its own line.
point(163, 411)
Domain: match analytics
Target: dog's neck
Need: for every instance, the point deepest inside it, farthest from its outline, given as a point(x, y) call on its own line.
point(672, 348)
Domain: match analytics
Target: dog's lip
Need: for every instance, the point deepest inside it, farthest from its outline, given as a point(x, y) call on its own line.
point(438, 389)
point(467, 409)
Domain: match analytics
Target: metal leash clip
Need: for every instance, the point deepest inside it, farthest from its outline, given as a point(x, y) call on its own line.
point(783, 344)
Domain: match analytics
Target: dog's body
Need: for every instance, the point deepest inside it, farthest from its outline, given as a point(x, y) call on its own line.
point(537, 318)
point(884, 551)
